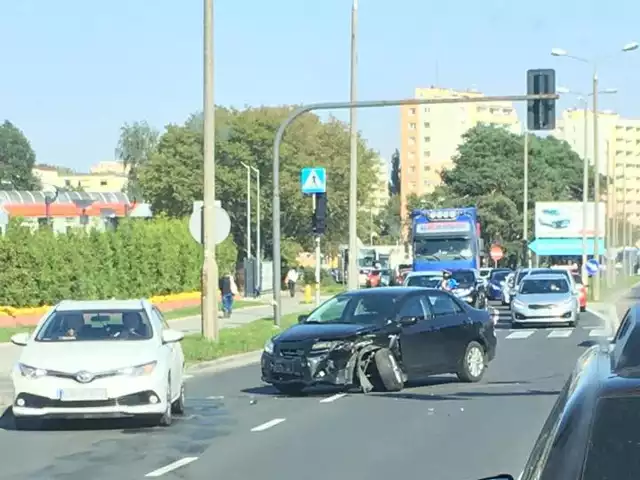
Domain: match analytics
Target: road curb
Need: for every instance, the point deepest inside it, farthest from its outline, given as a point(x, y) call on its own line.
point(226, 363)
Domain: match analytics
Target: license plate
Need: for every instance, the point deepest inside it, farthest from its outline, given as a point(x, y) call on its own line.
point(83, 394)
point(283, 367)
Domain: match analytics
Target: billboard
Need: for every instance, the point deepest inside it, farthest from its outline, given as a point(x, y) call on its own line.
point(564, 220)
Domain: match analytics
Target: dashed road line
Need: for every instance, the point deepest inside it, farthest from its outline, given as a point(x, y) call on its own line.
point(560, 333)
point(333, 398)
point(599, 332)
point(268, 425)
point(171, 467)
point(520, 334)
point(186, 377)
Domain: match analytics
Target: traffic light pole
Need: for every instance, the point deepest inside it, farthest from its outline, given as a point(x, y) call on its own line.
point(318, 257)
point(301, 110)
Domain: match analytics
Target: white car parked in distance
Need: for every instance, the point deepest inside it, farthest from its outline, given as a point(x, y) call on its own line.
point(99, 359)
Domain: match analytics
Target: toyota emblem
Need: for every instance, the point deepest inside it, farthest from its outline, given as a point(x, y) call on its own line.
point(84, 377)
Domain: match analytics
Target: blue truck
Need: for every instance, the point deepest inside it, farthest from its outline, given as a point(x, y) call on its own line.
point(446, 239)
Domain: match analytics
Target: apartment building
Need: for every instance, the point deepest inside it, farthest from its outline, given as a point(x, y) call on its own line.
point(380, 189)
point(618, 152)
point(102, 177)
point(430, 135)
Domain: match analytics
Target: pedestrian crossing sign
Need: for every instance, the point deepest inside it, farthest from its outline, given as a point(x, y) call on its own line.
point(313, 180)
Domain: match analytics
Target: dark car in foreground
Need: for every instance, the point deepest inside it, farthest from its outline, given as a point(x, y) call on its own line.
point(379, 339)
point(593, 430)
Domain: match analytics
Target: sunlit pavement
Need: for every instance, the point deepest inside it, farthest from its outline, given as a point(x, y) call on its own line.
point(237, 428)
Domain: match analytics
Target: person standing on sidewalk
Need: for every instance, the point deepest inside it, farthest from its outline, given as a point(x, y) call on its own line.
point(291, 279)
point(228, 289)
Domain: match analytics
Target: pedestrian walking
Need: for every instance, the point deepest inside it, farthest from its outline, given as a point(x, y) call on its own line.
point(290, 280)
point(228, 289)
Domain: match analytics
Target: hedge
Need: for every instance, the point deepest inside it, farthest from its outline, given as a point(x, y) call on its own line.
point(140, 258)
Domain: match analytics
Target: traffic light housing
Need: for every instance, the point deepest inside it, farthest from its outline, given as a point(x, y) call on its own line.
point(541, 114)
point(320, 214)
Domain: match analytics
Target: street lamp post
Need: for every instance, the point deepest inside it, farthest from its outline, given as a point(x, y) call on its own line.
point(558, 52)
point(584, 97)
point(353, 161)
point(248, 236)
point(258, 232)
point(50, 193)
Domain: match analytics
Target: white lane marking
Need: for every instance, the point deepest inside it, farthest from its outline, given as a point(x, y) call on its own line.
point(560, 333)
point(267, 425)
point(520, 334)
point(333, 398)
point(599, 332)
point(216, 397)
point(186, 377)
point(172, 466)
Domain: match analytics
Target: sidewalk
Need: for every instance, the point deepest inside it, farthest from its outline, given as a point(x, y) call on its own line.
point(9, 353)
point(614, 308)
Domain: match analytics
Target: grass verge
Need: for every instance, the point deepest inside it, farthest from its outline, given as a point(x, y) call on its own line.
point(7, 333)
point(246, 338)
point(195, 310)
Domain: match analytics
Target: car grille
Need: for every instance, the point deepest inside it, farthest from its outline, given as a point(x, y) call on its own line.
point(292, 349)
point(540, 306)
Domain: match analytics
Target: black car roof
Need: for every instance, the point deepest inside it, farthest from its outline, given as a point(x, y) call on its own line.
point(385, 291)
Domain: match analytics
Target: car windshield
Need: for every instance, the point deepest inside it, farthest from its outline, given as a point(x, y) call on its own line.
point(499, 276)
point(541, 286)
point(464, 277)
point(485, 272)
point(427, 281)
point(521, 275)
point(435, 249)
point(364, 309)
point(92, 325)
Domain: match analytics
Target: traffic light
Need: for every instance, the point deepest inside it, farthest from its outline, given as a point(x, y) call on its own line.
point(320, 214)
point(541, 114)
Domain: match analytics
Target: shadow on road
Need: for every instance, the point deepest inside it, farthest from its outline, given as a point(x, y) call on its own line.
point(464, 395)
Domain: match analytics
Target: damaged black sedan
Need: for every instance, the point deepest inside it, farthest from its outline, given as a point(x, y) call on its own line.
point(379, 339)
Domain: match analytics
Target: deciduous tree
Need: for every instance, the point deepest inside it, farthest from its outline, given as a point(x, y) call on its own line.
point(136, 144)
point(17, 159)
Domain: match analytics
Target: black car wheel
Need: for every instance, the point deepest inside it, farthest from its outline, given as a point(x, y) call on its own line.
point(389, 371)
point(292, 389)
point(473, 363)
point(178, 406)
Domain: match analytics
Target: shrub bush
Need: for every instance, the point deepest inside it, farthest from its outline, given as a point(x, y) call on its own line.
point(141, 258)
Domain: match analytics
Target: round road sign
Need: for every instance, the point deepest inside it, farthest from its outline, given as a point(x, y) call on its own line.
point(496, 253)
point(592, 267)
point(223, 223)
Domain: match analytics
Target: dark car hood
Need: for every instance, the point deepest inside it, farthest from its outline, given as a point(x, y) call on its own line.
point(325, 331)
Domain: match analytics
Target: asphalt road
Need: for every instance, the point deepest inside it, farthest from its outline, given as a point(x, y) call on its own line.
point(237, 428)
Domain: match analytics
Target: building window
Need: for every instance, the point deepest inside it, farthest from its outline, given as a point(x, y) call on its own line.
point(427, 109)
point(426, 154)
point(412, 111)
point(427, 168)
point(412, 169)
point(427, 139)
point(103, 183)
point(412, 140)
point(67, 183)
point(411, 155)
point(427, 125)
point(412, 126)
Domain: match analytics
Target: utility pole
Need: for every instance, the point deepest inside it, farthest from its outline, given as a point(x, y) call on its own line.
point(585, 191)
point(596, 203)
point(248, 237)
point(525, 200)
point(210, 268)
point(258, 232)
point(353, 161)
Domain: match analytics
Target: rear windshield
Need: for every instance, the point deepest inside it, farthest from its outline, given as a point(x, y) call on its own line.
point(550, 271)
point(423, 281)
point(499, 276)
point(615, 436)
point(88, 325)
point(464, 277)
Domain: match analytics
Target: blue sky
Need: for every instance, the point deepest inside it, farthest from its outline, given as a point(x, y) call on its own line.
point(72, 72)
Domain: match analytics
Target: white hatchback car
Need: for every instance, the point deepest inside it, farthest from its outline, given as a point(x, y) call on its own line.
point(99, 359)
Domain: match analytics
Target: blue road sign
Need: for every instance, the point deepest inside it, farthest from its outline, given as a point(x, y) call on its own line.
point(592, 266)
point(313, 180)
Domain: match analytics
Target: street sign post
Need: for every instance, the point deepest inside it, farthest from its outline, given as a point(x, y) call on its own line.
point(592, 266)
point(496, 254)
point(223, 223)
point(313, 180)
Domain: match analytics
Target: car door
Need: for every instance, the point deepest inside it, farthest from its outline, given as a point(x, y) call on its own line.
point(175, 354)
point(418, 342)
point(454, 327)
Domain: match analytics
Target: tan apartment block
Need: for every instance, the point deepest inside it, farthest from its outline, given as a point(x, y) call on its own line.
point(430, 135)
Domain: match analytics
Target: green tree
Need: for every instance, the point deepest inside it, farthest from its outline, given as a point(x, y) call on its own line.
point(136, 144)
point(172, 178)
point(394, 181)
point(389, 221)
point(17, 159)
point(488, 173)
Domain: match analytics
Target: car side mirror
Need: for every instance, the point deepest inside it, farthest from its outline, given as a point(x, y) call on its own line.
point(20, 339)
point(406, 321)
point(502, 476)
point(302, 318)
point(172, 336)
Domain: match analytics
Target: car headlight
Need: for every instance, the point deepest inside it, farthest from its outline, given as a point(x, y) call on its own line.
point(518, 304)
point(463, 292)
point(138, 370)
point(335, 345)
point(268, 347)
point(31, 372)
